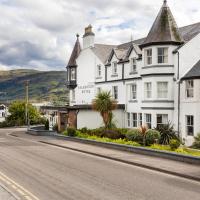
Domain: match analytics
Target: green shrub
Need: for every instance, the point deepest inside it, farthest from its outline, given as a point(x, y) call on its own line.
point(55, 127)
point(71, 132)
point(112, 134)
point(196, 143)
point(166, 133)
point(134, 135)
point(97, 132)
point(174, 144)
point(151, 137)
point(65, 133)
point(46, 125)
point(84, 130)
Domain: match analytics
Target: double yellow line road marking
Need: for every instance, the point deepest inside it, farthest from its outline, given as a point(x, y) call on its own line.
point(25, 194)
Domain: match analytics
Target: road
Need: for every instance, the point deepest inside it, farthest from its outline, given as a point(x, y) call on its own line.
point(53, 173)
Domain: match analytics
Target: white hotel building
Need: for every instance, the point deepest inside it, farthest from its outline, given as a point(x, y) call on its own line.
point(154, 79)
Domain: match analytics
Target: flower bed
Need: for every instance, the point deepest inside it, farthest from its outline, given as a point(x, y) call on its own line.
point(180, 150)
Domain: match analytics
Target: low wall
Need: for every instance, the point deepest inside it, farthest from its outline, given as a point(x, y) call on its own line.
point(138, 150)
point(40, 131)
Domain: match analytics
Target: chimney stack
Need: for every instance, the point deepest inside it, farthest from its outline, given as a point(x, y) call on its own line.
point(88, 37)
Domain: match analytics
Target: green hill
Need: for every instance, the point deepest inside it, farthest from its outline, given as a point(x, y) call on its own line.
point(43, 85)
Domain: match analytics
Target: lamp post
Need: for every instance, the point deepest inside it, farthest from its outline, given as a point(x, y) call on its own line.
point(27, 99)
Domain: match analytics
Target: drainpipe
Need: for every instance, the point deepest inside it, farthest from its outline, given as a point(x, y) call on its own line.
point(179, 93)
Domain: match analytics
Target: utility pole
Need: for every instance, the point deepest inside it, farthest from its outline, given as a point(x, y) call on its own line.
point(26, 108)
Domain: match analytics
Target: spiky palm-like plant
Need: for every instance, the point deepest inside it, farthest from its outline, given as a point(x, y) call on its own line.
point(105, 104)
point(143, 130)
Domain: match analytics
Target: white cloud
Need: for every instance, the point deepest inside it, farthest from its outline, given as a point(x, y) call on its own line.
point(41, 34)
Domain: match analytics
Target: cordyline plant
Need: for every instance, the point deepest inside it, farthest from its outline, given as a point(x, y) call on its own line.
point(105, 104)
point(143, 131)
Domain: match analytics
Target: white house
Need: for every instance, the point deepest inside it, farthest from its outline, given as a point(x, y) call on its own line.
point(3, 112)
point(154, 79)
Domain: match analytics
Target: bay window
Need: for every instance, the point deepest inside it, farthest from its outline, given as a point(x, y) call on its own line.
point(162, 90)
point(148, 56)
point(148, 90)
point(162, 55)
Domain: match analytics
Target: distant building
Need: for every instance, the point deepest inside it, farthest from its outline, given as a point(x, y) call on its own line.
point(155, 80)
point(3, 112)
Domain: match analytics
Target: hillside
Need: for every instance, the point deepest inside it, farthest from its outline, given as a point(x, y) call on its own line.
point(43, 85)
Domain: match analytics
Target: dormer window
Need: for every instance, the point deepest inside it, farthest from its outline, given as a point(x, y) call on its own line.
point(73, 74)
point(148, 56)
point(114, 68)
point(99, 71)
point(133, 68)
point(162, 55)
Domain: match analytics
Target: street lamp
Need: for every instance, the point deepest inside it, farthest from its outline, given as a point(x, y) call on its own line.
point(27, 99)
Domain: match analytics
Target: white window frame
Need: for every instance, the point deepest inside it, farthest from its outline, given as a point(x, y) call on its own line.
point(164, 119)
point(148, 120)
point(133, 67)
point(148, 56)
point(190, 124)
point(162, 93)
point(163, 56)
point(189, 88)
point(98, 90)
point(147, 90)
point(73, 74)
point(140, 119)
point(114, 68)
point(115, 92)
point(99, 70)
point(134, 120)
point(133, 91)
point(129, 119)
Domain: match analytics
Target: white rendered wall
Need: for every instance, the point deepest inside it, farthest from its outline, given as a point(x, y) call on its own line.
point(190, 106)
point(92, 119)
point(86, 75)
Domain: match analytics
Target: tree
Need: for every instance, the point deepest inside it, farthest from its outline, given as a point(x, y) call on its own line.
point(104, 104)
point(17, 113)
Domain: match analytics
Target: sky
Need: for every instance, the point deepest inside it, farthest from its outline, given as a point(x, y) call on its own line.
point(40, 34)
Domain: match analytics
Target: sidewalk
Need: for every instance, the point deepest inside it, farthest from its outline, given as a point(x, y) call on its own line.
point(5, 195)
point(154, 163)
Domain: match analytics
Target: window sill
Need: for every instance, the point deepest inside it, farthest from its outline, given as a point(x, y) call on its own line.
point(114, 75)
point(132, 73)
point(99, 77)
point(133, 101)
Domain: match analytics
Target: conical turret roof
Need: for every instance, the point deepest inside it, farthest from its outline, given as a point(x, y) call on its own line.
point(75, 53)
point(164, 29)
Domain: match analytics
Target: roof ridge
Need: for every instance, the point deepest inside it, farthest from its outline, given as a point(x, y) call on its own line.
point(189, 25)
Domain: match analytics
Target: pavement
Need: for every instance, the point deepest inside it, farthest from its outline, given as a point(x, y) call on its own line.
point(6, 195)
point(47, 172)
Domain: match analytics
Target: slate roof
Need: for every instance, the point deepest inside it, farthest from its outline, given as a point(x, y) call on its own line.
point(75, 53)
point(102, 51)
point(164, 29)
point(194, 72)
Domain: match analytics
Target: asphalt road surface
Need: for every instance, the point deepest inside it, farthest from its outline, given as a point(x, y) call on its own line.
point(52, 173)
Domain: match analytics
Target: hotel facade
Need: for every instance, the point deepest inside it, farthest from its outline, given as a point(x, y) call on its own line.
point(155, 80)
